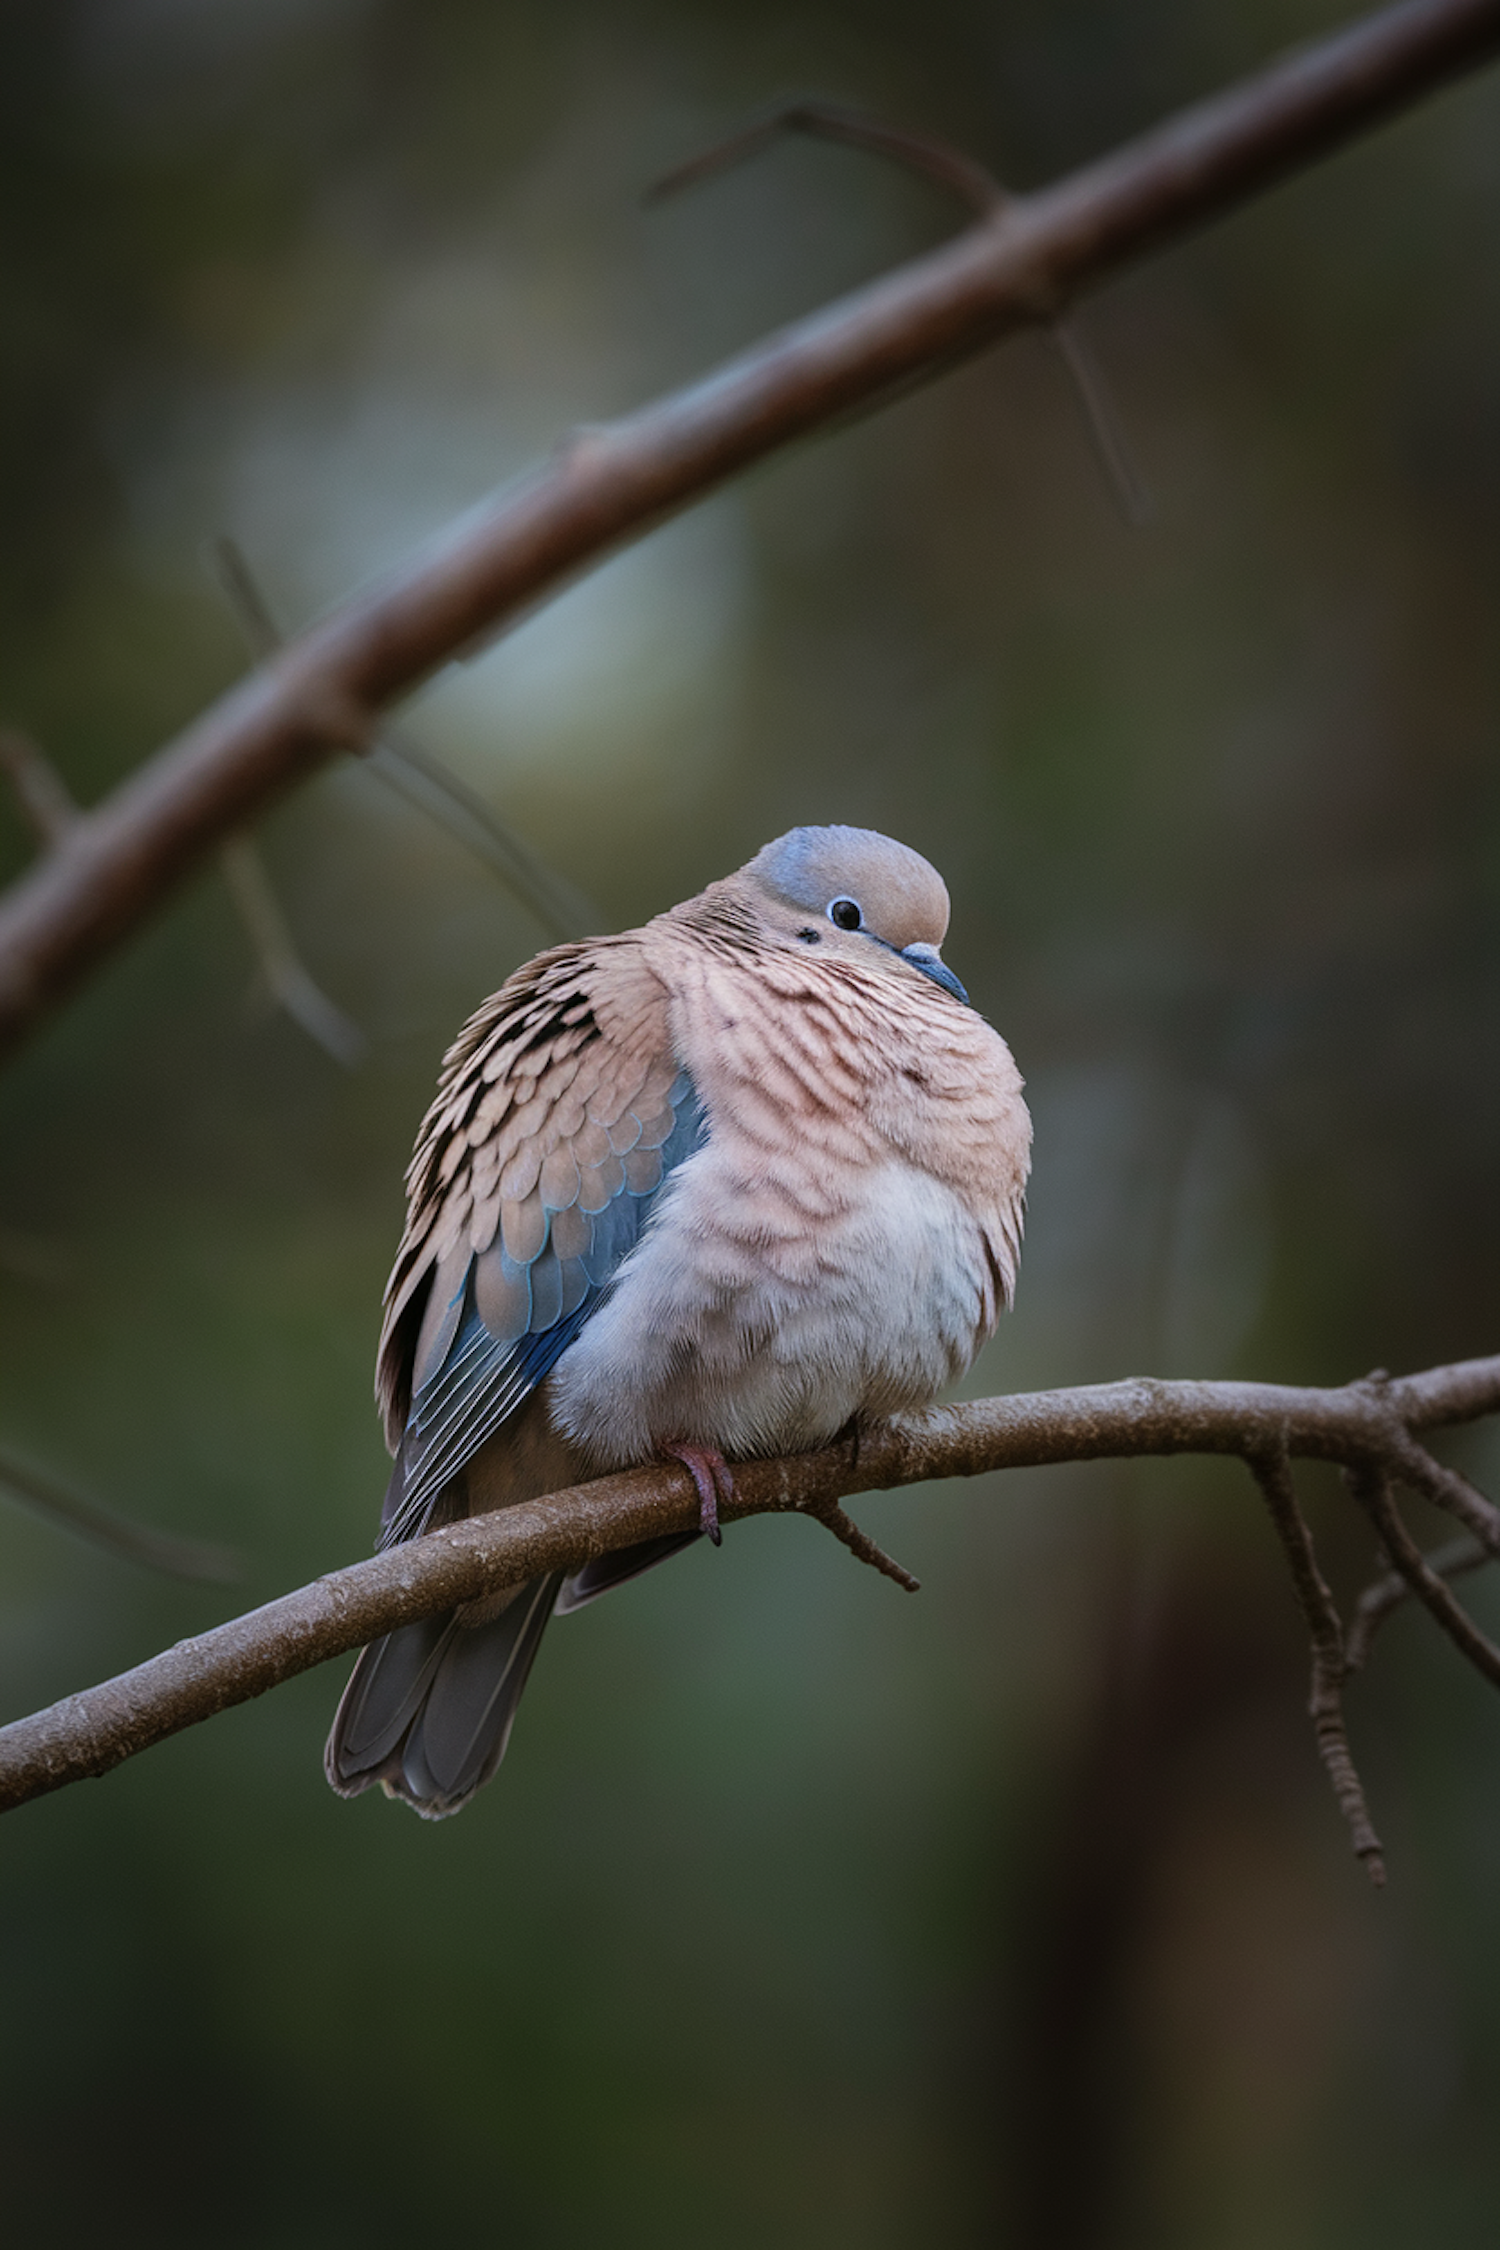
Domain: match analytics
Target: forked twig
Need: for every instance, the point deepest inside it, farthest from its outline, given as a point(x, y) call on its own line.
point(1272, 1469)
point(987, 198)
point(1385, 1595)
point(1371, 1487)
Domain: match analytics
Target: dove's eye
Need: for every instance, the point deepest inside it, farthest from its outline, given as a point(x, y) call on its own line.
point(845, 914)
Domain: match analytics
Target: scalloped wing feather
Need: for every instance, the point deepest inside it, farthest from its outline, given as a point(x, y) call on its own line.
point(522, 1207)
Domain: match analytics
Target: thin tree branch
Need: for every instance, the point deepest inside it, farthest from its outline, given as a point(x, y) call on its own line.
point(91, 1732)
point(1021, 267)
point(1272, 1470)
point(946, 166)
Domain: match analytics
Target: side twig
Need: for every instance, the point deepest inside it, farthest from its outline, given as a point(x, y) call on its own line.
point(291, 985)
point(1384, 1596)
point(1272, 1470)
point(1370, 1483)
point(46, 802)
point(987, 198)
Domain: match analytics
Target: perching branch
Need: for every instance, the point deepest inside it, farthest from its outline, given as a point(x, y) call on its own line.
point(1021, 266)
point(1369, 1428)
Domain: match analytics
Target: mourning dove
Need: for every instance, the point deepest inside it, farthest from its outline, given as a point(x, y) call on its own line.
point(712, 1187)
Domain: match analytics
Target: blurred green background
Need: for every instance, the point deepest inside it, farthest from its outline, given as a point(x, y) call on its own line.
point(801, 1913)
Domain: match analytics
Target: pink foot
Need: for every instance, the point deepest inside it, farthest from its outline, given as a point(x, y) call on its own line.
point(710, 1472)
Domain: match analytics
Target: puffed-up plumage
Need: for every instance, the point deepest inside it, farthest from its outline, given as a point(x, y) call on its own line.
point(723, 1183)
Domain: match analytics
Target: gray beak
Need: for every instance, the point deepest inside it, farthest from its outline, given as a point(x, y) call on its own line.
point(931, 963)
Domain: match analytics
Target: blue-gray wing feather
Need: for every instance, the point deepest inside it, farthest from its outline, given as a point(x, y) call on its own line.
point(509, 1320)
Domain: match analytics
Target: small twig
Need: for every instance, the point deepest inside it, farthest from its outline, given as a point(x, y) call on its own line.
point(1101, 417)
point(137, 1543)
point(987, 198)
point(428, 785)
point(1371, 1487)
point(291, 985)
point(1385, 1595)
point(829, 121)
point(238, 583)
point(43, 796)
point(1446, 1488)
point(425, 783)
point(1272, 1470)
point(859, 1543)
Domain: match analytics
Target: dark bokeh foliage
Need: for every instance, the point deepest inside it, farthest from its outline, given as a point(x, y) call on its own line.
point(800, 1913)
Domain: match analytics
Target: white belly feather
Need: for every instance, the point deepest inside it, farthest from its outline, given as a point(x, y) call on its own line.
point(758, 1329)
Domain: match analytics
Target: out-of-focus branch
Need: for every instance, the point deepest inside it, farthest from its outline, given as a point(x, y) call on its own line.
point(107, 1528)
point(423, 780)
point(290, 983)
point(47, 804)
point(1369, 1427)
point(987, 198)
point(1022, 266)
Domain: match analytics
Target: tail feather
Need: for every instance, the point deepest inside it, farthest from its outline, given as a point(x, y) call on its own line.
point(606, 1572)
point(429, 1709)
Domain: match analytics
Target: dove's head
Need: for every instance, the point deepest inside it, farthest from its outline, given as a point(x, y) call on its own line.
point(856, 894)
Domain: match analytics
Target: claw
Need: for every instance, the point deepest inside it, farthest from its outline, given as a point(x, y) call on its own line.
point(711, 1475)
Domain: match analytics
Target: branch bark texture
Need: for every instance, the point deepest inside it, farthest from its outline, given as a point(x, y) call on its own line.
point(1020, 267)
point(1369, 1427)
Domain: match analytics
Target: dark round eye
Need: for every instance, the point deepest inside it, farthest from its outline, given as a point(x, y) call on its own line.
point(845, 914)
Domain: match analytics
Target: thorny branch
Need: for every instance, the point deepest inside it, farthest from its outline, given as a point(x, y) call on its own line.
point(1019, 266)
point(1368, 1428)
